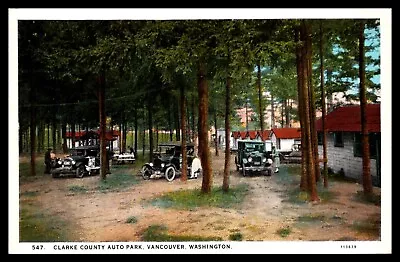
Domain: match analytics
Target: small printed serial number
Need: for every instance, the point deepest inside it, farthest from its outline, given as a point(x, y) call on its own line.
point(37, 247)
point(348, 246)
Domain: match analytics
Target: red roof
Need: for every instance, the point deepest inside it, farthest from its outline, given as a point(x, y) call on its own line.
point(264, 135)
point(110, 135)
point(286, 132)
point(236, 134)
point(252, 134)
point(348, 118)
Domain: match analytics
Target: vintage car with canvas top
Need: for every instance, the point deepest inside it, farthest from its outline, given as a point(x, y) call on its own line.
point(254, 156)
point(82, 160)
point(167, 162)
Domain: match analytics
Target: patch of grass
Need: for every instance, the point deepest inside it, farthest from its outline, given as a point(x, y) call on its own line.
point(370, 226)
point(29, 193)
point(284, 232)
point(311, 218)
point(368, 199)
point(25, 170)
point(131, 220)
point(289, 175)
point(77, 189)
point(190, 199)
point(117, 181)
point(36, 226)
point(236, 236)
point(159, 233)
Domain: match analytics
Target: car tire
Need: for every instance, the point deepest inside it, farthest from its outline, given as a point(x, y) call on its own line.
point(146, 172)
point(243, 171)
point(80, 171)
point(170, 173)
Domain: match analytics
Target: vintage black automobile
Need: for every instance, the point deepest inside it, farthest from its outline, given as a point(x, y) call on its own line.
point(167, 162)
point(81, 161)
point(254, 156)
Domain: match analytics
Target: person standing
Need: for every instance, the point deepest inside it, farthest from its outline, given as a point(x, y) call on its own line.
point(47, 161)
point(275, 155)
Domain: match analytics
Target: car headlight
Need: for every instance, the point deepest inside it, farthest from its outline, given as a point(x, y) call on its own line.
point(73, 162)
point(250, 159)
point(244, 160)
point(151, 164)
point(162, 165)
point(59, 162)
point(264, 159)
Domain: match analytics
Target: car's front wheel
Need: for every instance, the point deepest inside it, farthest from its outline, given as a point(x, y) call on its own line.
point(146, 172)
point(170, 173)
point(80, 171)
point(243, 170)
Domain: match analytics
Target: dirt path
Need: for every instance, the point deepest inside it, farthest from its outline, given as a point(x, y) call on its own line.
point(101, 216)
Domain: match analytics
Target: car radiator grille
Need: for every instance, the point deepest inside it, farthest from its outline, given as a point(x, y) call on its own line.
point(257, 160)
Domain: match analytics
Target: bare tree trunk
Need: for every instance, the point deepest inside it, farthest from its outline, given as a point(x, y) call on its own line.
point(272, 112)
point(102, 116)
point(314, 137)
point(193, 120)
point(73, 134)
point(54, 134)
point(287, 115)
point(324, 132)
point(64, 136)
point(33, 124)
point(150, 111)
point(144, 137)
point(177, 124)
point(170, 121)
point(203, 129)
point(225, 183)
point(260, 98)
point(136, 131)
point(299, 63)
point(183, 128)
point(367, 179)
point(216, 132)
point(312, 188)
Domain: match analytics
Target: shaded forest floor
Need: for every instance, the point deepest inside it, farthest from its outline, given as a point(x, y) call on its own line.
point(273, 209)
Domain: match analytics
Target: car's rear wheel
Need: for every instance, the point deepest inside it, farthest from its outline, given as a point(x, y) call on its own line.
point(146, 172)
point(80, 171)
point(170, 173)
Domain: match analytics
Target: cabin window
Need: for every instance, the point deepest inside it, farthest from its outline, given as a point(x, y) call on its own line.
point(374, 141)
point(320, 136)
point(338, 139)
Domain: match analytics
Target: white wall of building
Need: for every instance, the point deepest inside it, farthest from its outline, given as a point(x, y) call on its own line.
point(343, 157)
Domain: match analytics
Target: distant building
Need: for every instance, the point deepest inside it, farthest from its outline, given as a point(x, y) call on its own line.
point(344, 147)
point(285, 139)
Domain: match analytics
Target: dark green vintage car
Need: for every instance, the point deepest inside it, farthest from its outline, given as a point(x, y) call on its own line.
point(254, 156)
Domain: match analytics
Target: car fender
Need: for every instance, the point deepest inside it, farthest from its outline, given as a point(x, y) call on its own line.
point(147, 165)
point(168, 165)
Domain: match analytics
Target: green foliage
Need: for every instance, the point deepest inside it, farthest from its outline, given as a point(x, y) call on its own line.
point(373, 198)
point(237, 236)
point(370, 226)
point(77, 189)
point(284, 232)
point(117, 181)
point(189, 199)
point(131, 220)
point(158, 233)
point(36, 226)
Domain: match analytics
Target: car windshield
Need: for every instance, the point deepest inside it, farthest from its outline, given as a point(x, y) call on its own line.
point(252, 147)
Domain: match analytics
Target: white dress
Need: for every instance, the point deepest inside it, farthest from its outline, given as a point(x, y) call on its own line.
point(196, 165)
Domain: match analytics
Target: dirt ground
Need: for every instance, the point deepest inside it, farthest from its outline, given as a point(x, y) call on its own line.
point(98, 216)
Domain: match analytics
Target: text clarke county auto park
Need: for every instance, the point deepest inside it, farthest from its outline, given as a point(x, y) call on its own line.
point(139, 246)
